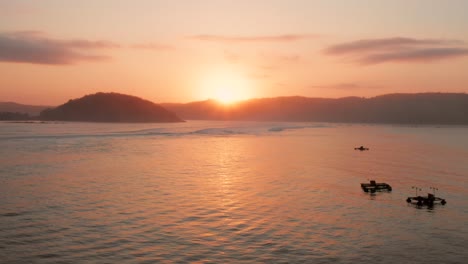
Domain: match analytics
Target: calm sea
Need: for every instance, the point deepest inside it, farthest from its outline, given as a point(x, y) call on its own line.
point(230, 192)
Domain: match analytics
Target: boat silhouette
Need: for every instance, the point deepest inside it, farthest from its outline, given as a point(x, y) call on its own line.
point(361, 148)
point(373, 186)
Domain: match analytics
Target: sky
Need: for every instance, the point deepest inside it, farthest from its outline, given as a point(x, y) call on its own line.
point(182, 51)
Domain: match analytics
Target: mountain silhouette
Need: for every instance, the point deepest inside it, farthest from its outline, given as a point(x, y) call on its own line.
point(31, 110)
point(421, 108)
point(110, 107)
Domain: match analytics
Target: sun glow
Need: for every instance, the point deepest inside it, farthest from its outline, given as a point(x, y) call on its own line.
point(226, 87)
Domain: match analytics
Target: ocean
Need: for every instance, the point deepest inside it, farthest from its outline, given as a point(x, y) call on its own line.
point(230, 192)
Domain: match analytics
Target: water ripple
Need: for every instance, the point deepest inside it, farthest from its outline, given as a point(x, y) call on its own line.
point(281, 198)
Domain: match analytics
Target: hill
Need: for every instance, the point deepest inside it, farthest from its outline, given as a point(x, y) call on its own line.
point(31, 110)
point(422, 108)
point(110, 107)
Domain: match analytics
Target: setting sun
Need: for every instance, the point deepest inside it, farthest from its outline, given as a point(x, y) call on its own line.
point(226, 87)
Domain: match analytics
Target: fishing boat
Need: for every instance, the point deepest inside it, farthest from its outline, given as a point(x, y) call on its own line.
point(373, 186)
point(428, 200)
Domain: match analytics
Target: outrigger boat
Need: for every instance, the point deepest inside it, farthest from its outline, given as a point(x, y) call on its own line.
point(361, 148)
point(373, 187)
point(430, 200)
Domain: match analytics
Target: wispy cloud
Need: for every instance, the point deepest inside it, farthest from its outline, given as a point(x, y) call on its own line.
point(288, 58)
point(415, 55)
point(153, 46)
point(38, 48)
point(249, 39)
point(374, 51)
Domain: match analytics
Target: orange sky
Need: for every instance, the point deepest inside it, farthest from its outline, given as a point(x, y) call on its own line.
point(181, 51)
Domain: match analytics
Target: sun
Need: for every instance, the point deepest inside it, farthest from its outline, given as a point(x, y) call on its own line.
point(226, 87)
point(226, 95)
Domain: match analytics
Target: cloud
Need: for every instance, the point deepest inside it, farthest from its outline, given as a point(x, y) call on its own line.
point(249, 39)
point(37, 48)
point(415, 55)
point(366, 45)
point(374, 51)
point(289, 58)
point(152, 46)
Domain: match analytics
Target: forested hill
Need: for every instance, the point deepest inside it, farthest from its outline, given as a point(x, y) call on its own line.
point(110, 107)
point(422, 108)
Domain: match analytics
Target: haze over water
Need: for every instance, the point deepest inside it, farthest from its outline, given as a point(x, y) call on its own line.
point(235, 192)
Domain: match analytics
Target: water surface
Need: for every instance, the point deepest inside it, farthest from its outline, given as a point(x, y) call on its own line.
point(235, 192)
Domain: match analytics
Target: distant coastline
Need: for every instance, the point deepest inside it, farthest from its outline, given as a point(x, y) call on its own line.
point(410, 109)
